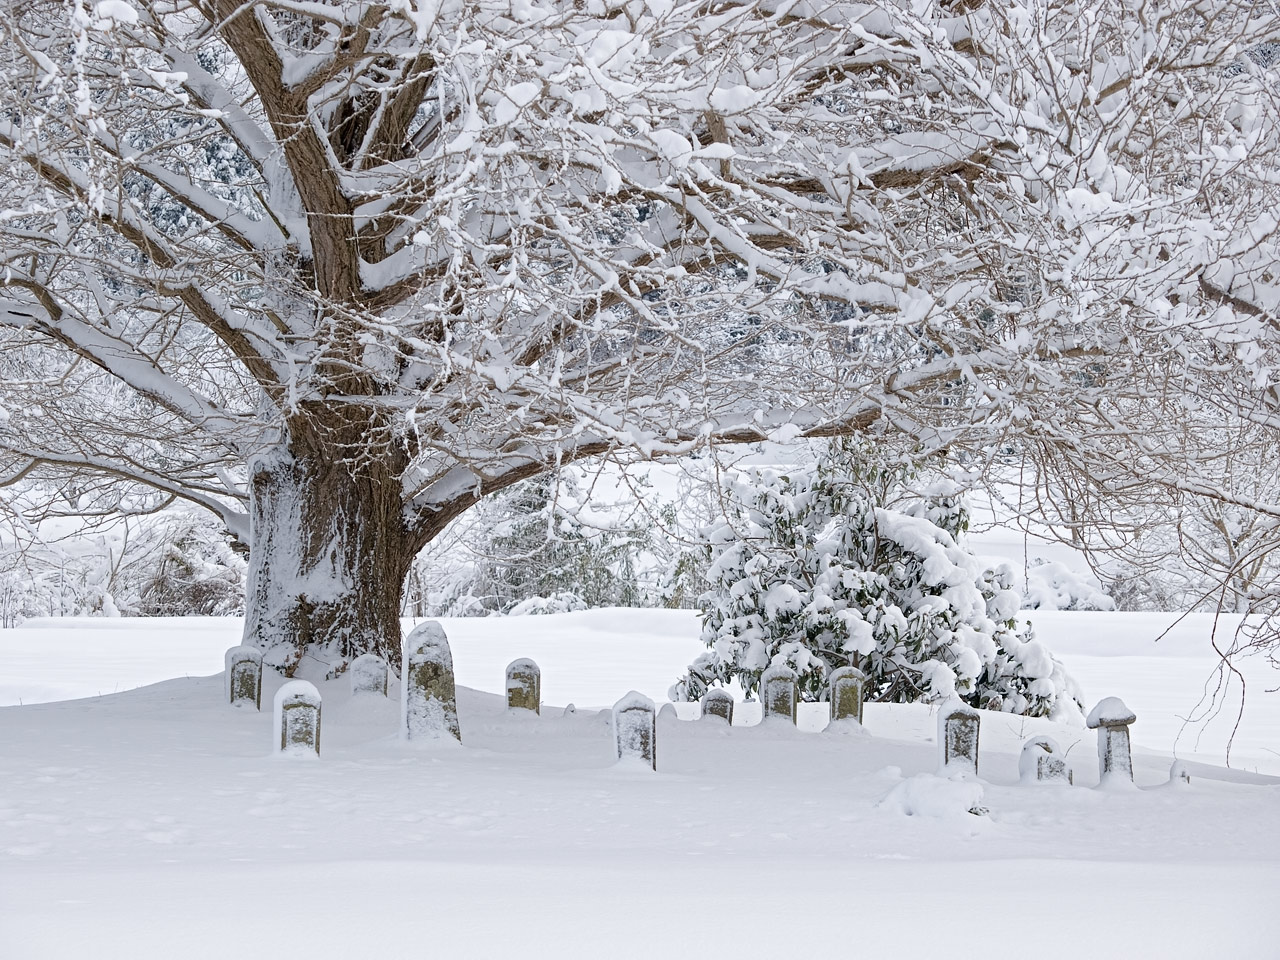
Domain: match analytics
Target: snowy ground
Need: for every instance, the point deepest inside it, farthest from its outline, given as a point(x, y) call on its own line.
point(152, 823)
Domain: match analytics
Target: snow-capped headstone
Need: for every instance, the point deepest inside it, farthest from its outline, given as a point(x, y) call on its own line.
point(718, 703)
point(958, 737)
point(778, 693)
point(244, 676)
point(368, 675)
point(1111, 718)
point(297, 719)
point(429, 702)
point(668, 712)
point(635, 729)
point(1179, 776)
point(524, 686)
point(570, 710)
point(847, 686)
point(1042, 762)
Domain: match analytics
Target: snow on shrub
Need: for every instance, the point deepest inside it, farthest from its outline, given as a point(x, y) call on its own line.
point(810, 570)
point(1055, 586)
point(564, 602)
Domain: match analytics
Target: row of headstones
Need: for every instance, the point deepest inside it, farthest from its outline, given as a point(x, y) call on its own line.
point(296, 710)
point(429, 697)
point(430, 700)
point(430, 708)
point(1041, 760)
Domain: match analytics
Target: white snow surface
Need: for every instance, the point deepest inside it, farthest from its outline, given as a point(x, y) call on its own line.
point(134, 824)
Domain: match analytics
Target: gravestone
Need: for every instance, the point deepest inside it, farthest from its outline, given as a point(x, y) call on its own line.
point(958, 737)
point(718, 703)
point(667, 712)
point(635, 729)
point(524, 686)
point(1179, 775)
point(847, 685)
point(368, 675)
point(1111, 718)
point(570, 710)
point(244, 676)
point(778, 693)
point(297, 719)
point(1042, 762)
point(429, 701)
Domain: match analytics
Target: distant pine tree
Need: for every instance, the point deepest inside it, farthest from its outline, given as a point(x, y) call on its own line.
point(540, 549)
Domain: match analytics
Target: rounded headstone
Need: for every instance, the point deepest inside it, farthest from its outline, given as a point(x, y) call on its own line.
point(847, 687)
point(368, 675)
point(635, 729)
point(429, 702)
point(1042, 762)
point(958, 737)
point(778, 693)
point(243, 677)
point(296, 718)
point(524, 686)
point(718, 703)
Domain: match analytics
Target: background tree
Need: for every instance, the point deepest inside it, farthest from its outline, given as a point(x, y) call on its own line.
point(841, 564)
point(541, 546)
point(336, 271)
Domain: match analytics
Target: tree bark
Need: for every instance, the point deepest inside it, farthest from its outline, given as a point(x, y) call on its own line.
point(330, 551)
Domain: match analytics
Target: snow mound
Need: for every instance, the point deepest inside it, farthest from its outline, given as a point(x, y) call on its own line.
point(940, 798)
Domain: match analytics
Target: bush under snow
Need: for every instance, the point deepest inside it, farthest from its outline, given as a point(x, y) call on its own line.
point(810, 570)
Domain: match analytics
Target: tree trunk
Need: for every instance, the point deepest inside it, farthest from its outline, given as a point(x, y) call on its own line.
point(328, 557)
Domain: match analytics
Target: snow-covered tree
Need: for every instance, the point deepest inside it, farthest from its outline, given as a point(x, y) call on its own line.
point(336, 271)
point(539, 546)
point(817, 569)
point(173, 562)
point(1203, 537)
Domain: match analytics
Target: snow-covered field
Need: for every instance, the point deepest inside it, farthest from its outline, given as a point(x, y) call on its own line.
point(152, 822)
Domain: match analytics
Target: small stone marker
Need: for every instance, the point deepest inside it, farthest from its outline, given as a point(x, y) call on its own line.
point(847, 686)
point(718, 702)
point(524, 686)
point(570, 710)
point(368, 675)
point(667, 712)
point(1179, 776)
point(297, 718)
point(429, 701)
point(958, 737)
point(778, 693)
point(244, 676)
point(1042, 762)
point(1111, 718)
point(635, 729)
